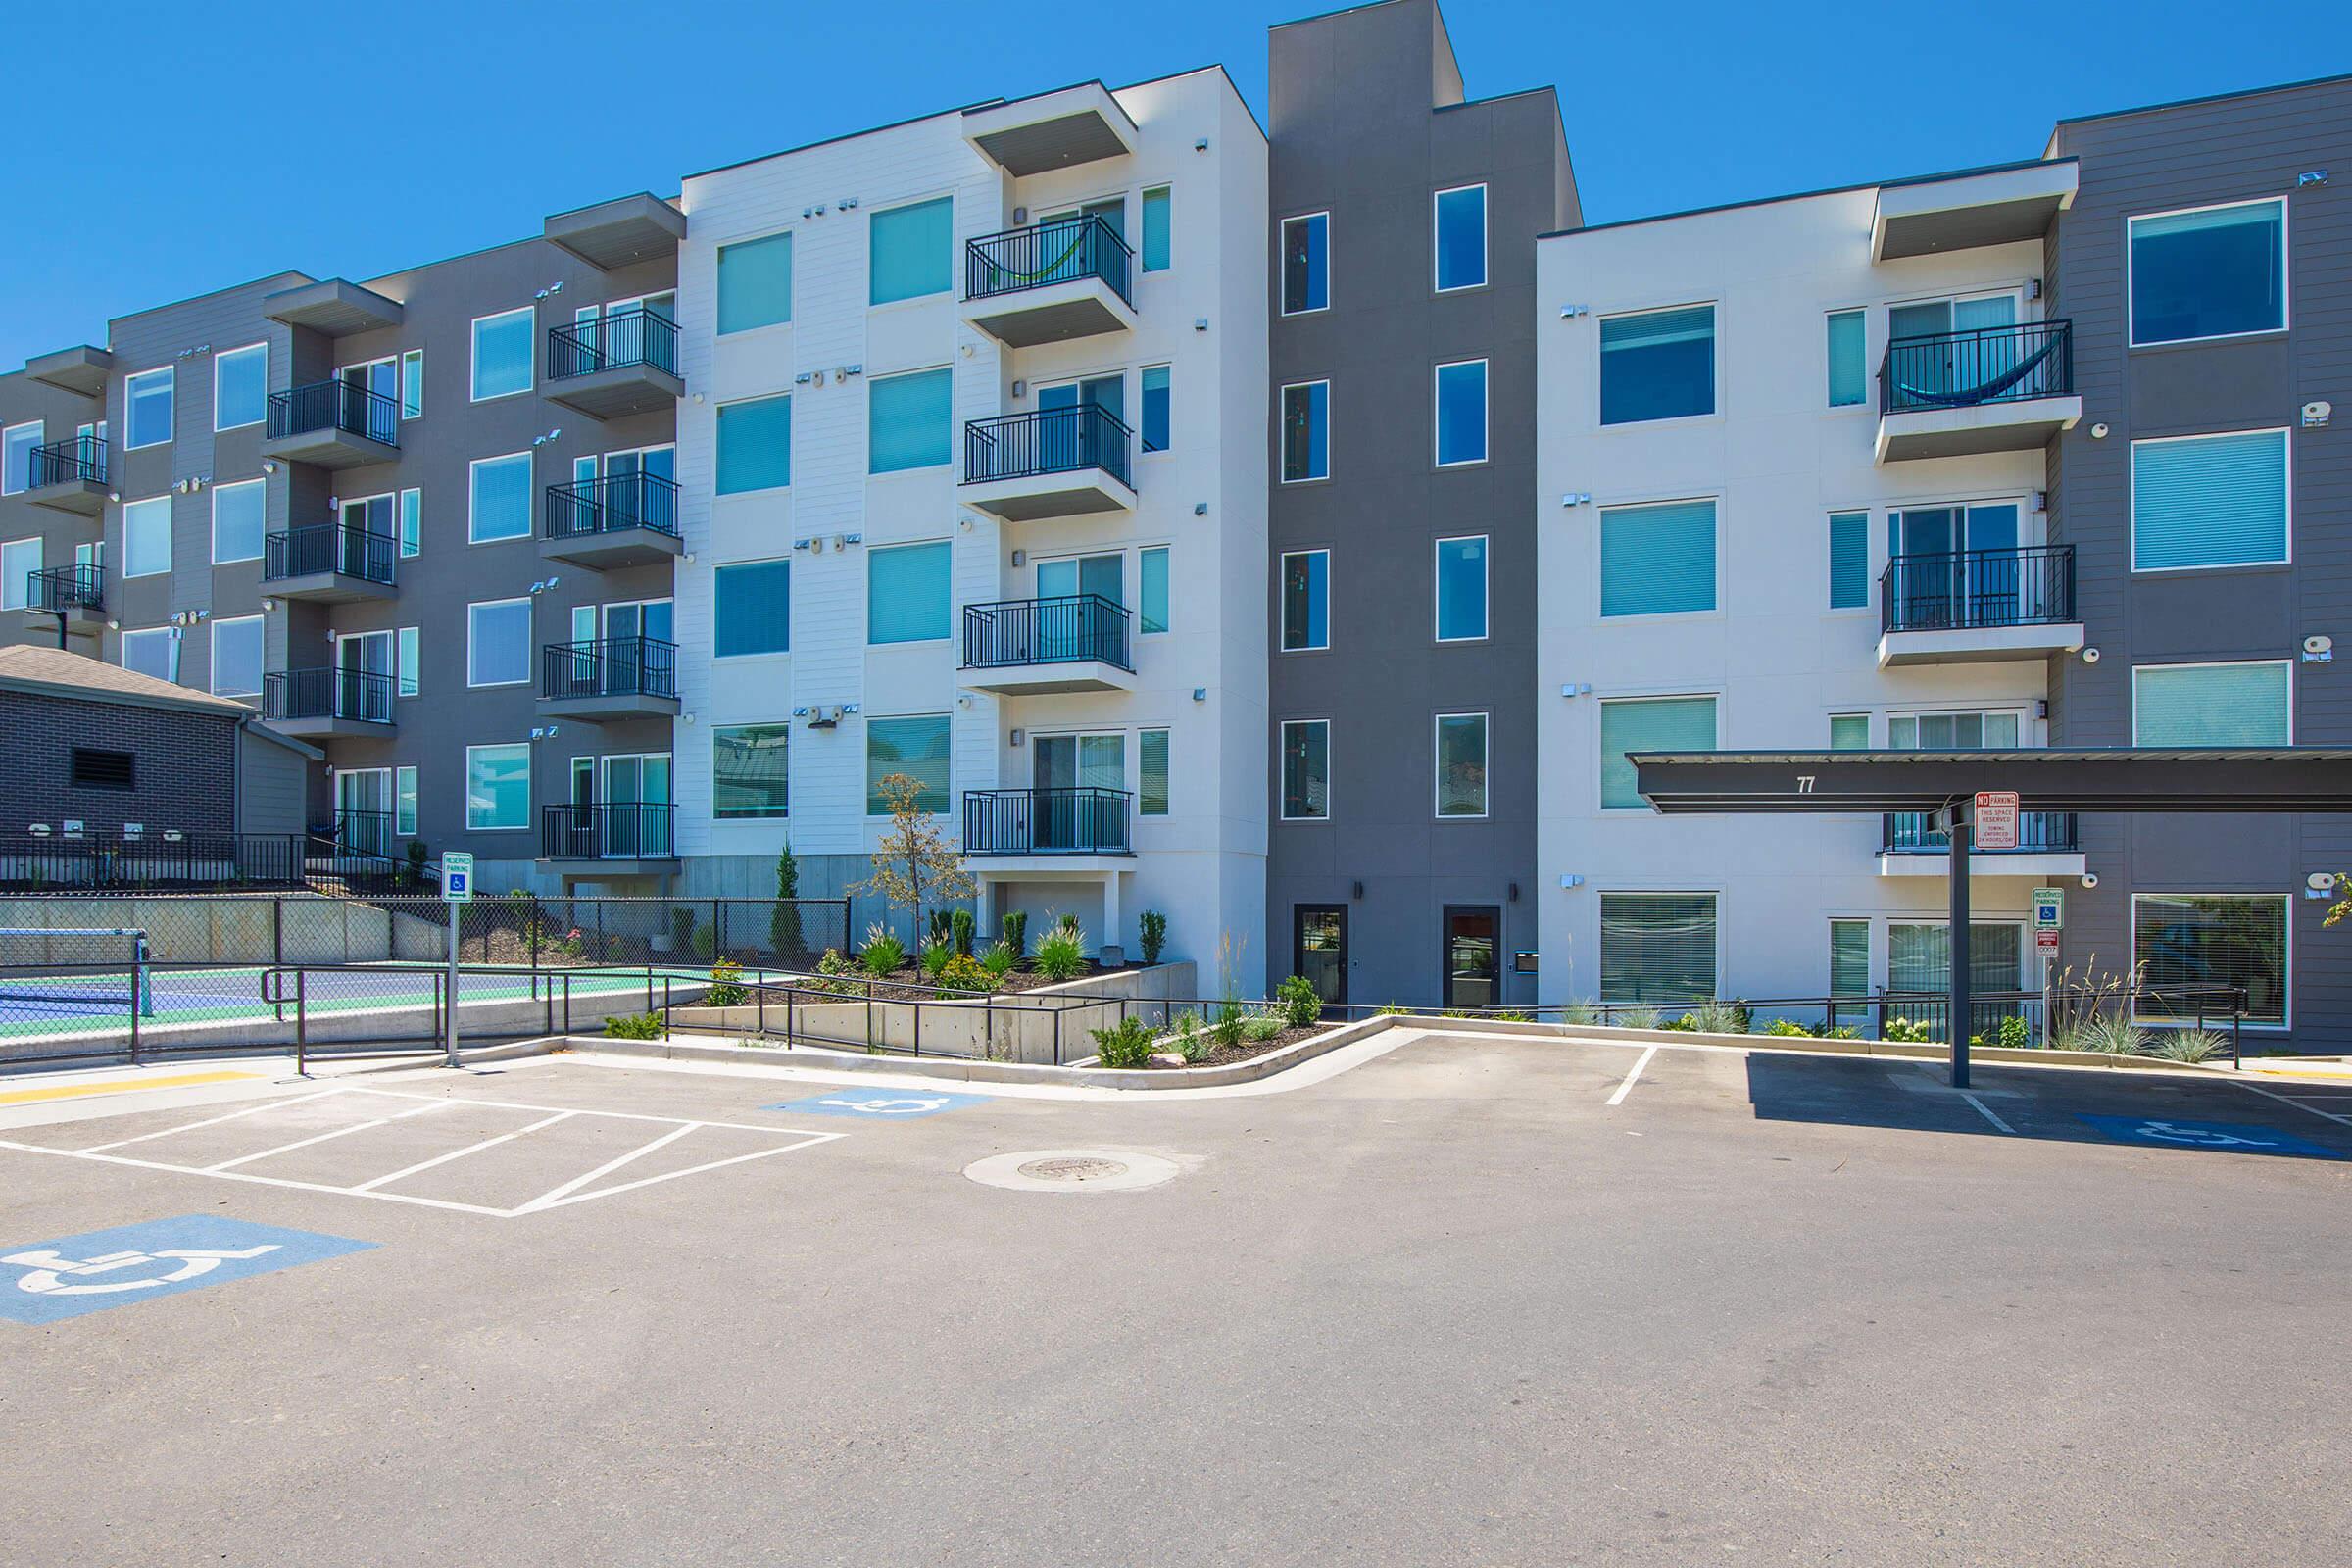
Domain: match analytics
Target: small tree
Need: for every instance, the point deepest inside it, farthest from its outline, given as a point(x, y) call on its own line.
point(916, 864)
point(784, 926)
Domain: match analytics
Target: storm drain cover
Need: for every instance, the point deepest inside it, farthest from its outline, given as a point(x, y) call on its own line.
point(1072, 1170)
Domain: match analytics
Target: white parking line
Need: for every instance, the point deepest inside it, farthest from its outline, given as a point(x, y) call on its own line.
point(2290, 1100)
point(317, 1138)
point(807, 1141)
point(1625, 1088)
point(548, 1199)
point(214, 1121)
point(461, 1154)
point(1985, 1110)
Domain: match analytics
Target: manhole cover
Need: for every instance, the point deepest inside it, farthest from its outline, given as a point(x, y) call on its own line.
point(1072, 1170)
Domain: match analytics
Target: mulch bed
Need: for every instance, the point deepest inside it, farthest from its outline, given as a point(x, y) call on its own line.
point(906, 984)
point(1246, 1051)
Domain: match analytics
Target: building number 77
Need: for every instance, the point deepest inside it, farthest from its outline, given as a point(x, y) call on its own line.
point(1804, 783)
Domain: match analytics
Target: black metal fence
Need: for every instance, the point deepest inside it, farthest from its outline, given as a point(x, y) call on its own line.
point(2033, 586)
point(79, 459)
point(1043, 441)
point(336, 405)
point(2037, 833)
point(330, 547)
point(328, 692)
point(61, 588)
point(1045, 631)
point(1051, 821)
point(33, 864)
point(612, 341)
point(614, 830)
point(1984, 365)
point(610, 666)
point(1061, 251)
point(608, 504)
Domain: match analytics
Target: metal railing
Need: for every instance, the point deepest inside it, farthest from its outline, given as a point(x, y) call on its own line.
point(1061, 251)
point(610, 666)
point(1971, 368)
point(2030, 586)
point(1054, 821)
point(189, 861)
point(2037, 833)
point(1045, 631)
point(328, 692)
point(77, 458)
point(61, 588)
point(338, 404)
point(628, 830)
point(330, 547)
point(1022, 446)
point(355, 831)
point(605, 506)
point(613, 341)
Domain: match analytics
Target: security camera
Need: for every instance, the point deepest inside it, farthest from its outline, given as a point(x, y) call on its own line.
point(2090, 655)
point(2090, 880)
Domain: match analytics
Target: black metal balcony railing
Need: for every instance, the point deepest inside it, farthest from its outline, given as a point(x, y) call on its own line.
point(605, 506)
point(61, 588)
point(1045, 631)
point(2037, 833)
point(617, 831)
point(1061, 251)
point(358, 832)
point(76, 459)
point(612, 341)
point(323, 546)
point(1022, 446)
point(1069, 821)
point(2033, 586)
point(1985, 364)
point(610, 666)
point(330, 692)
point(342, 406)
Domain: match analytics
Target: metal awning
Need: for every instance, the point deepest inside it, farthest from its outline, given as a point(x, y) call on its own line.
point(2286, 778)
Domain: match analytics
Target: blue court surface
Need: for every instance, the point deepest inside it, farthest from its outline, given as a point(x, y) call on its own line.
point(48, 1282)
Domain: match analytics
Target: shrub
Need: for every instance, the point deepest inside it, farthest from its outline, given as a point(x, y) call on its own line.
point(784, 921)
point(2110, 1034)
point(413, 874)
point(1637, 1018)
point(706, 943)
point(1061, 953)
point(1067, 925)
point(997, 961)
point(1125, 1043)
point(1227, 1030)
point(1154, 934)
point(942, 926)
point(962, 925)
point(933, 959)
point(727, 985)
point(834, 970)
point(2014, 1034)
point(883, 952)
point(1299, 1004)
point(1583, 1010)
point(1016, 933)
point(1784, 1028)
point(2190, 1046)
point(1511, 1015)
point(634, 1026)
point(962, 972)
point(1904, 1032)
point(1191, 1043)
point(1261, 1027)
point(1685, 1024)
point(682, 930)
point(1719, 1017)
point(1391, 1010)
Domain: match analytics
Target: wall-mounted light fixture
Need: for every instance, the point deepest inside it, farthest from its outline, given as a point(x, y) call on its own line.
point(1577, 498)
point(1569, 879)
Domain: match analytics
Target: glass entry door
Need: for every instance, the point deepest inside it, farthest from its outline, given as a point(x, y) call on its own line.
point(1956, 566)
point(636, 805)
point(1319, 947)
point(1472, 958)
point(364, 810)
point(378, 417)
point(1965, 354)
point(1065, 444)
point(1061, 817)
point(1062, 628)
point(364, 677)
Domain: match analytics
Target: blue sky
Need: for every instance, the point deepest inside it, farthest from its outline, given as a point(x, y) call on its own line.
point(201, 156)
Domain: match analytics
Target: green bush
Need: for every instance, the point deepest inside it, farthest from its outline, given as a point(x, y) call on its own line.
point(706, 943)
point(962, 972)
point(962, 926)
point(1126, 1043)
point(997, 961)
point(1299, 1004)
point(2110, 1034)
point(1227, 1030)
point(1636, 1018)
point(784, 921)
point(1061, 953)
point(1783, 1028)
point(1016, 933)
point(1510, 1016)
point(834, 970)
point(1904, 1032)
point(2190, 1046)
point(933, 961)
point(1719, 1017)
point(634, 1026)
point(1191, 1043)
point(1583, 1010)
point(1155, 933)
point(1390, 1010)
point(1068, 924)
point(1688, 1023)
point(883, 952)
point(2014, 1034)
point(727, 985)
point(942, 926)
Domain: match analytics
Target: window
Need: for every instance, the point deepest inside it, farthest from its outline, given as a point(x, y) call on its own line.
point(1849, 560)
point(1659, 364)
point(239, 517)
point(240, 386)
point(1657, 560)
point(147, 409)
point(498, 643)
point(2216, 272)
point(501, 491)
point(907, 598)
point(147, 537)
point(411, 390)
point(1658, 947)
point(237, 657)
point(1155, 407)
point(153, 652)
point(754, 283)
point(1460, 221)
point(1307, 263)
point(915, 747)
point(498, 787)
point(754, 445)
point(1461, 413)
point(911, 254)
point(1647, 724)
point(1849, 958)
point(404, 802)
point(1305, 601)
point(1919, 958)
point(2185, 942)
point(1850, 369)
point(2209, 501)
point(1307, 770)
point(94, 769)
point(1461, 783)
point(408, 659)
point(2212, 705)
point(1461, 582)
point(1152, 566)
point(16, 456)
point(502, 353)
point(1155, 229)
point(750, 771)
point(753, 608)
point(1951, 732)
point(1307, 431)
point(908, 421)
point(1151, 797)
point(1849, 732)
point(20, 558)
point(411, 522)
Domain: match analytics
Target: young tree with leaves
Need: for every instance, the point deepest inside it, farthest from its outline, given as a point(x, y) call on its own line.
point(916, 864)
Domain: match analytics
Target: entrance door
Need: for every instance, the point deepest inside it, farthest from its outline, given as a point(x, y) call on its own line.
point(364, 810)
point(1065, 444)
point(364, 682)
point(1319, 947)
point(378, 417)
point(1956, 566)
point(1062, 817)
point(1062, 626)
point(636, 801)
point(1472, 958)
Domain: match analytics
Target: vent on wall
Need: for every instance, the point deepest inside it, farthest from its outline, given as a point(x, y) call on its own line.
point(103, 770)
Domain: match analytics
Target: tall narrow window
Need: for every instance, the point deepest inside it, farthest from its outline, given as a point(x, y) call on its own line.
point(907, 593)
point(1305, 601)
point(147, 409)
point(1306, 432)
point(1849, 560)
point(1460, 225)
point(1157, 236)
point(239, 518)
point(1849, 369)
point(499, 498)
point(909, 250)
point(502, 353)
point(1155, 407)
point(1305, 770)
point(1658, 947)
point(1657, 560)
point(17, 445)
point(1461, 782)
point(754, 445)
point(20, 558)
point(1658, 364)
point(2209, 501)
point(1647, 724)
point(1461, 588)
point(411, 390)
point(1305, 263)
point(408, 656)
point(2219, 272)
point(754, 283)
point(412, 521)
point(147, 537)
point(1461, 413)
point(1151, 765)
point(2213, 705)
point(908, 421)
point(1152, 568)
point(240, 386)
point(916, 746)
point(1849, 958)
point(404, 802)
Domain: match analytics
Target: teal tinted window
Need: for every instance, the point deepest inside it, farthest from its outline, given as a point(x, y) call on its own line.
point(751, 772)
point(1650, 724)
point(1849, 732)
point(1307, 769)
point(1152, 567)
point(754, 283)
point(910, 252)
point(1307, 431)
point(1849, 958)
point(1849, 371)
point(1156, 229)
point(240, 387)
point(1849, 560)
point(907, 419)
point(915, 747)
point(502, 354)
point(1461, 782)
point(753, 608)
point(2209, 501)
point(2214, 274)
point(1659, 364)
point(1155, 407)
point(2210, 705)
point(754, 445)
point(1656, 560)
point(498, 787)
point(1461, 588)
point(907, 593)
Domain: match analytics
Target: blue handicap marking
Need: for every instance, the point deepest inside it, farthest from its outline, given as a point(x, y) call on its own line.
point(2229, 1137)
point(881, 1104)
point(47, 1282)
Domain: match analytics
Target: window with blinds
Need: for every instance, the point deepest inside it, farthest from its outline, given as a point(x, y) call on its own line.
point(1849, 958)
point(1647, 724)
point(2209, 501)
point(1152, 764)
point(2187, 945)
point(2211, 705)
point(908, 421)
point(1849, 732)
point(2216, 272)
point(499, 499)
point(754, 445)
point(502, 353)
point(1849, 369)
point(1849, 560)
point(916, 746)
point(906, 599)
point(1659, 364)
point(754, 283)
point(753, 608)
point(1462, 573)
point(1658, 947)
point(910, 251)
point(1657, 560)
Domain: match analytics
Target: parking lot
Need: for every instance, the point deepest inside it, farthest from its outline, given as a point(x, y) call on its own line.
point(1457, 1300)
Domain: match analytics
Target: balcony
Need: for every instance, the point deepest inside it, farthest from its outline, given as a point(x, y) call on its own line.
point(74, 592)
point(606, 679)
point(610, 367)
point(2048, 847)
point(1056, 823)
point(1049, 282)
point(328, 703)
point(333, 307)
point(621, 232)
point(1049, 462)
point(1977, 607)
point(1032, 647)
point(329, 563)
point(332, 425)
point(623, 839)
point(81, 370)
point(624, 519)
point(1991, 389)
point(70, 475)
point(1051, 130)
point(1961, 211)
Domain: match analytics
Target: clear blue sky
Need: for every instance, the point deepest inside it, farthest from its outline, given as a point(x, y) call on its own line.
point(191, 155)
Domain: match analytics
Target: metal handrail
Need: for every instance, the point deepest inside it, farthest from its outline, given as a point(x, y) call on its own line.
point(330, 547)
point(76, 458)
point(614, 502)
point(2030, 585)
point(617, 830)
point(1041, 441)
point(1047, 821)
point(610, 666)
point(58, 588)
point(1068, 629)
point(1979, 365)
point(1060, 251)
point(612, 341)
point(329, 691)
point(336, 405)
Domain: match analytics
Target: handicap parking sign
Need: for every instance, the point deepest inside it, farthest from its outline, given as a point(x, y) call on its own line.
point(48, 1282)
point(2227, 1137)
point(878, 1104)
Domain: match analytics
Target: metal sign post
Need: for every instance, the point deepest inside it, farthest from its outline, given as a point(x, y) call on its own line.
point(1955, 820)
point(456, 891)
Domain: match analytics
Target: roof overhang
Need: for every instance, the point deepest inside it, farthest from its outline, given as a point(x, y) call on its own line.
point(334, 307)
point(2116, 779)
point(616, 233)
point(1995, 207)
point(1051, 130)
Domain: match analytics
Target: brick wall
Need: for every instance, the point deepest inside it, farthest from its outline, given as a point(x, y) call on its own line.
point(185, 770)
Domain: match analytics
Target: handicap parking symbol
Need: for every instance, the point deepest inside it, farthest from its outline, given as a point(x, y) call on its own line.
point(878, 1104)
point(2237, 1138)
point(48, 1282)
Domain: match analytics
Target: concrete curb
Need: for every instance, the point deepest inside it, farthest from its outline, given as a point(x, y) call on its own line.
point(1806, 1045)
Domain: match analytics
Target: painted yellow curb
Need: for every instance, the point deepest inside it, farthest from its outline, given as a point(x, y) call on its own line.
point(120, 1086)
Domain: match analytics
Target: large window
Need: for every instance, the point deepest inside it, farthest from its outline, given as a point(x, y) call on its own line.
point(1305, 601)
point(499, 490)
point(153, 652)
point(240, 386)
point(16, 456)
point(754, 283)
point(2189, 946)
point(498, 787)
point(1657, 560)
point(1307, 431)
point(755, 444)
point(1849, 560)
point(909, 422)
point(1307, 769)
point(498, 643)
point(1951, 732)
point(502, 353)
point(20, 558)
point(1461, 413)
point(1659, 364)
point(1849, 367)
point(147, 409)
point(912, 251)
point(1157, 232)
point(1152, 764)
point(1152, 568)
point(2219, 272)
point(2209, 501)
point(1154, 429)
point(147, 537)
point(1459, 222)
point(1461, 781)
point(1305, 263)
point(1919, 958)
point(1658, 947)
point(237, 657)
point(748, 773)
point(907, 593)
point(1461, 582)
point(239, 517)
point(1647, 724)
point(753, 608)
point(916, 746)
point(2213, 705)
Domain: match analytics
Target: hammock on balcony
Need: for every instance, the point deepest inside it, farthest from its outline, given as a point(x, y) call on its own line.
point(999, 273)
point(1986, 393)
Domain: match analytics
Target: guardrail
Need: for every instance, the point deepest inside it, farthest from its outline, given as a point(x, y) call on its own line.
point(1956, 590)
point(1051, 821)
point(329, 547)
point(2037, 833)
point(1060, 251)
point(61, 588)
point(1046, 441)
point(337, 404)
point(1070, 630)
point(330, 691)
point(1982, 365)
point(78, 458)
point(626, 830)
point(608, 504)
point(612, 341)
